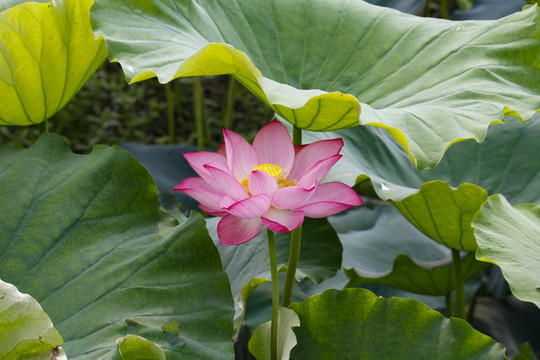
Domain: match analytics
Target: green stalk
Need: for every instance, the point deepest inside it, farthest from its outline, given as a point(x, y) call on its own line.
point(459, 284)
point(444, 9)
point(229, 105)
point(275, 295)
point(294, 255)
point(449, 305)
point(170, 112)
point(296, 238)
point(297, 136)
point(199, 112)
point(44, 127)
point(427, 12)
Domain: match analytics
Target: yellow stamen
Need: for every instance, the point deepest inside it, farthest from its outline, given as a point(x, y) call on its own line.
point(273, 170)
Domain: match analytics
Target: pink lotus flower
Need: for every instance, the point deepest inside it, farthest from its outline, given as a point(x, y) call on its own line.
point(270, 182)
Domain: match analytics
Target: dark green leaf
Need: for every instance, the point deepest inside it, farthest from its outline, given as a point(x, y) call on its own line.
point(86, 237)
point(356, 324)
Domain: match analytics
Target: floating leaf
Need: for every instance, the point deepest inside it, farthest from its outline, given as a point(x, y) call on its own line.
point(49, 52)
point(85, 236)
point(26, 332)
point(259, 344)
point(509, 236)
point(428, 82)
point(336, 324)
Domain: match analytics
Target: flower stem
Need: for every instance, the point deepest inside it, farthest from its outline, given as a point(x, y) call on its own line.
point(275, 294)
point(297, 136)
point(229, 106)
point(199, 112)
point(170, 112)
point(444, 9)
point(296, 237)
point(459, 284)
point(44, 127)
point(449, 305)
point(294, 255)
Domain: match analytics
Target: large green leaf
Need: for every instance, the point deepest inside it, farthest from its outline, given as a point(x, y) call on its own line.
point(26, 332)
point(48, 53)
point(442, 201)
point(357, 324)
point(510, 236)
point(248, 265)
point(86, 237)
point(326, 65)
point(390, 251)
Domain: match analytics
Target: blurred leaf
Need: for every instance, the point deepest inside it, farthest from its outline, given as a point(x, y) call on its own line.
point(509, 236)
point(168, 168)
point(49, 52)
point(489, 9)
point(85, 236)
point(425, 81)
point(527, 352)
point(408, 6)
point(26, 332)
point(259, 344)
point(336, 324)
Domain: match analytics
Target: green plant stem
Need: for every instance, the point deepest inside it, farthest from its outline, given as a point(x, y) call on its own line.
point(459, 284)
point(170, 112)
point(444, 9)
point(449, 305)
point(296, 238)
point(297, 136)
point(294, 255)
point(44, 127)
point(275, 295)
point(229, 105)
point(427, 10)
point(199, 112)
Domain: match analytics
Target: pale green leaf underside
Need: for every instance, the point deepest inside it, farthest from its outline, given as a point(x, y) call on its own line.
point(441, 201)
point(510, 236)
point(259, 344)
point(326, 65)
point(85, 236)
point(26, 332)
point(357, 324)
point(381, 247)
point(48, 53)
